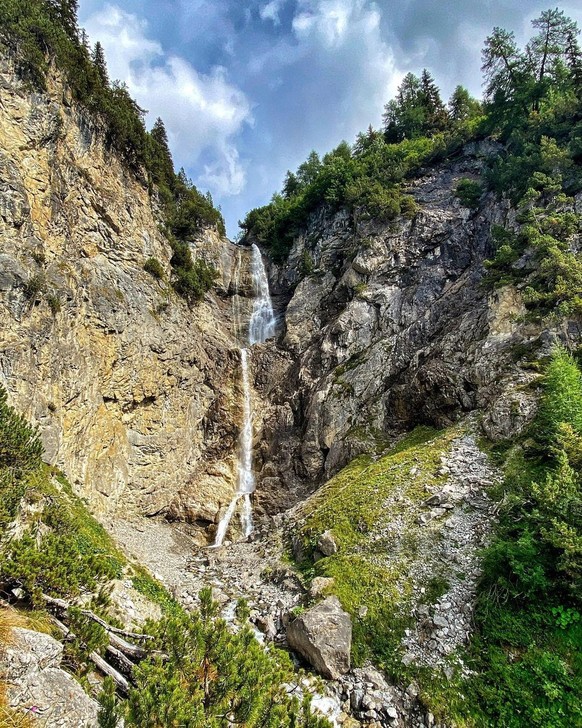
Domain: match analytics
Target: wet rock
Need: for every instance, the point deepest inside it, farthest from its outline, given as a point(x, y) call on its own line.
point(323, 636)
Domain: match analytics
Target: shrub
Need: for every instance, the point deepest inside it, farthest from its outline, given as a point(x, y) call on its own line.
point(210, 672)
point(20, 456)
point(35, 286)
point(192, 283)
point(54, 303)
point(469, 192)
point(154, 268)
point(20, 446)
point(561, 402)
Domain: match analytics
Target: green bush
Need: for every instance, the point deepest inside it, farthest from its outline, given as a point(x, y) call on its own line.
point(469, 193)
point(154, 268)
point(20, 457)
point(192, 283)
point(561, 403)
point(57, 564)
point(210, 672)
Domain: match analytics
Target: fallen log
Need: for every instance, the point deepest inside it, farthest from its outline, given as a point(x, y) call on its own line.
point(64, 606)
point(122, 684)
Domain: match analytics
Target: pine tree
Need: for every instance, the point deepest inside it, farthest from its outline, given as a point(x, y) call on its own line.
point(502, 64)
point(291, 185)
point(549, 45)
point(462, 106)
point(65, 12)
point(308, 171)
point(159, 156)
point(404, 116)
point(430, 96)
point(574, 62)
point(98, 58)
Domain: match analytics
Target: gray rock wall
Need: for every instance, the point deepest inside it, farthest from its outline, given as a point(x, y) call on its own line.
point(394, 327)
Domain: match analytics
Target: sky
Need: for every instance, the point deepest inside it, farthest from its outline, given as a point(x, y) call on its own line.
point(247, 88)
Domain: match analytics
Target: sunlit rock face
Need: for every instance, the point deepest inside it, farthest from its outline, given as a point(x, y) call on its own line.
point(137, 396)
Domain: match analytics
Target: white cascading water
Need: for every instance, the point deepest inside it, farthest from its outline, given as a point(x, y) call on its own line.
point(261, 327)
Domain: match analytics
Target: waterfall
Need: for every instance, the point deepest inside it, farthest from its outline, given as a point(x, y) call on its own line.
point(262, 323)
point(261, 327)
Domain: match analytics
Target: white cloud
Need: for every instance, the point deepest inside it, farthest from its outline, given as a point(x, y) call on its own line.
point(202, 112)
point(270, 11)
point(226, 174)
point(327, 21)
point(347, 37)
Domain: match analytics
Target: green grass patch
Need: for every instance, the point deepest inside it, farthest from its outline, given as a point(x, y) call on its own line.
point(370, 569)
point(145, 584)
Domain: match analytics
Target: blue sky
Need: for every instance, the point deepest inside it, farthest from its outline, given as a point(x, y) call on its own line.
point(248, 89)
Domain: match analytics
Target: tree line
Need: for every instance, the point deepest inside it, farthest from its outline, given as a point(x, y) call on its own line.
point(533, 98)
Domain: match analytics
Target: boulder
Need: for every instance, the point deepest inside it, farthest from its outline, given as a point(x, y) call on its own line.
point(320, 585)
point(37, 685)
point(327, 544)
point(323, 636)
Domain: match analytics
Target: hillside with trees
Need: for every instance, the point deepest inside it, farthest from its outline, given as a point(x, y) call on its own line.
point(43, 35)
point(532, 106)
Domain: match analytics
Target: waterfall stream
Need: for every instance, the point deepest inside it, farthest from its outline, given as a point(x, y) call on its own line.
point(261, 327)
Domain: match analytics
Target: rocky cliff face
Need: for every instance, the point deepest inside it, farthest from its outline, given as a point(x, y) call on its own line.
point(136, 395)
point(382, 326)
point(387, 325)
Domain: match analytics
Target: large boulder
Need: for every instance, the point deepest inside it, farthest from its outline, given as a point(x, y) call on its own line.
point(30, 665)
point(323, 635)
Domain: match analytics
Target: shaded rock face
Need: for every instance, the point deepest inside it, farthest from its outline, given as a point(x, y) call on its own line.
point(31, 668)
point(394, 328)
point(323, 635)
point(136, 395)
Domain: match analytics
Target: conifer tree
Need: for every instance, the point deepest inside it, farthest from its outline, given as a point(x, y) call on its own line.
point(65, 12)
point(436, 114)
point(291, 185)
point(502, 64)
point(308, 171)
point(98, 58)
point(574, 62)
point(549, 45)
point(462, 105)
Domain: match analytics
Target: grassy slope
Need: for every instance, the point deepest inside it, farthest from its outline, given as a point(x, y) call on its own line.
point(371, 569)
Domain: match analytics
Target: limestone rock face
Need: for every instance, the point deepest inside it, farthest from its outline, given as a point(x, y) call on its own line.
point(136, 395)
point(31, 667)
point(323, 635)
point(394, 327)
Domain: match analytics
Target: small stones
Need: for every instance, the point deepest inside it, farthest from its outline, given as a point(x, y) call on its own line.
point(391, 712)
point(439, 621)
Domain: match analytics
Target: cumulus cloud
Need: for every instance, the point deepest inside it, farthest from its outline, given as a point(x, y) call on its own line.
point(203, 113)
point(225, 174)
point(271, 10)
